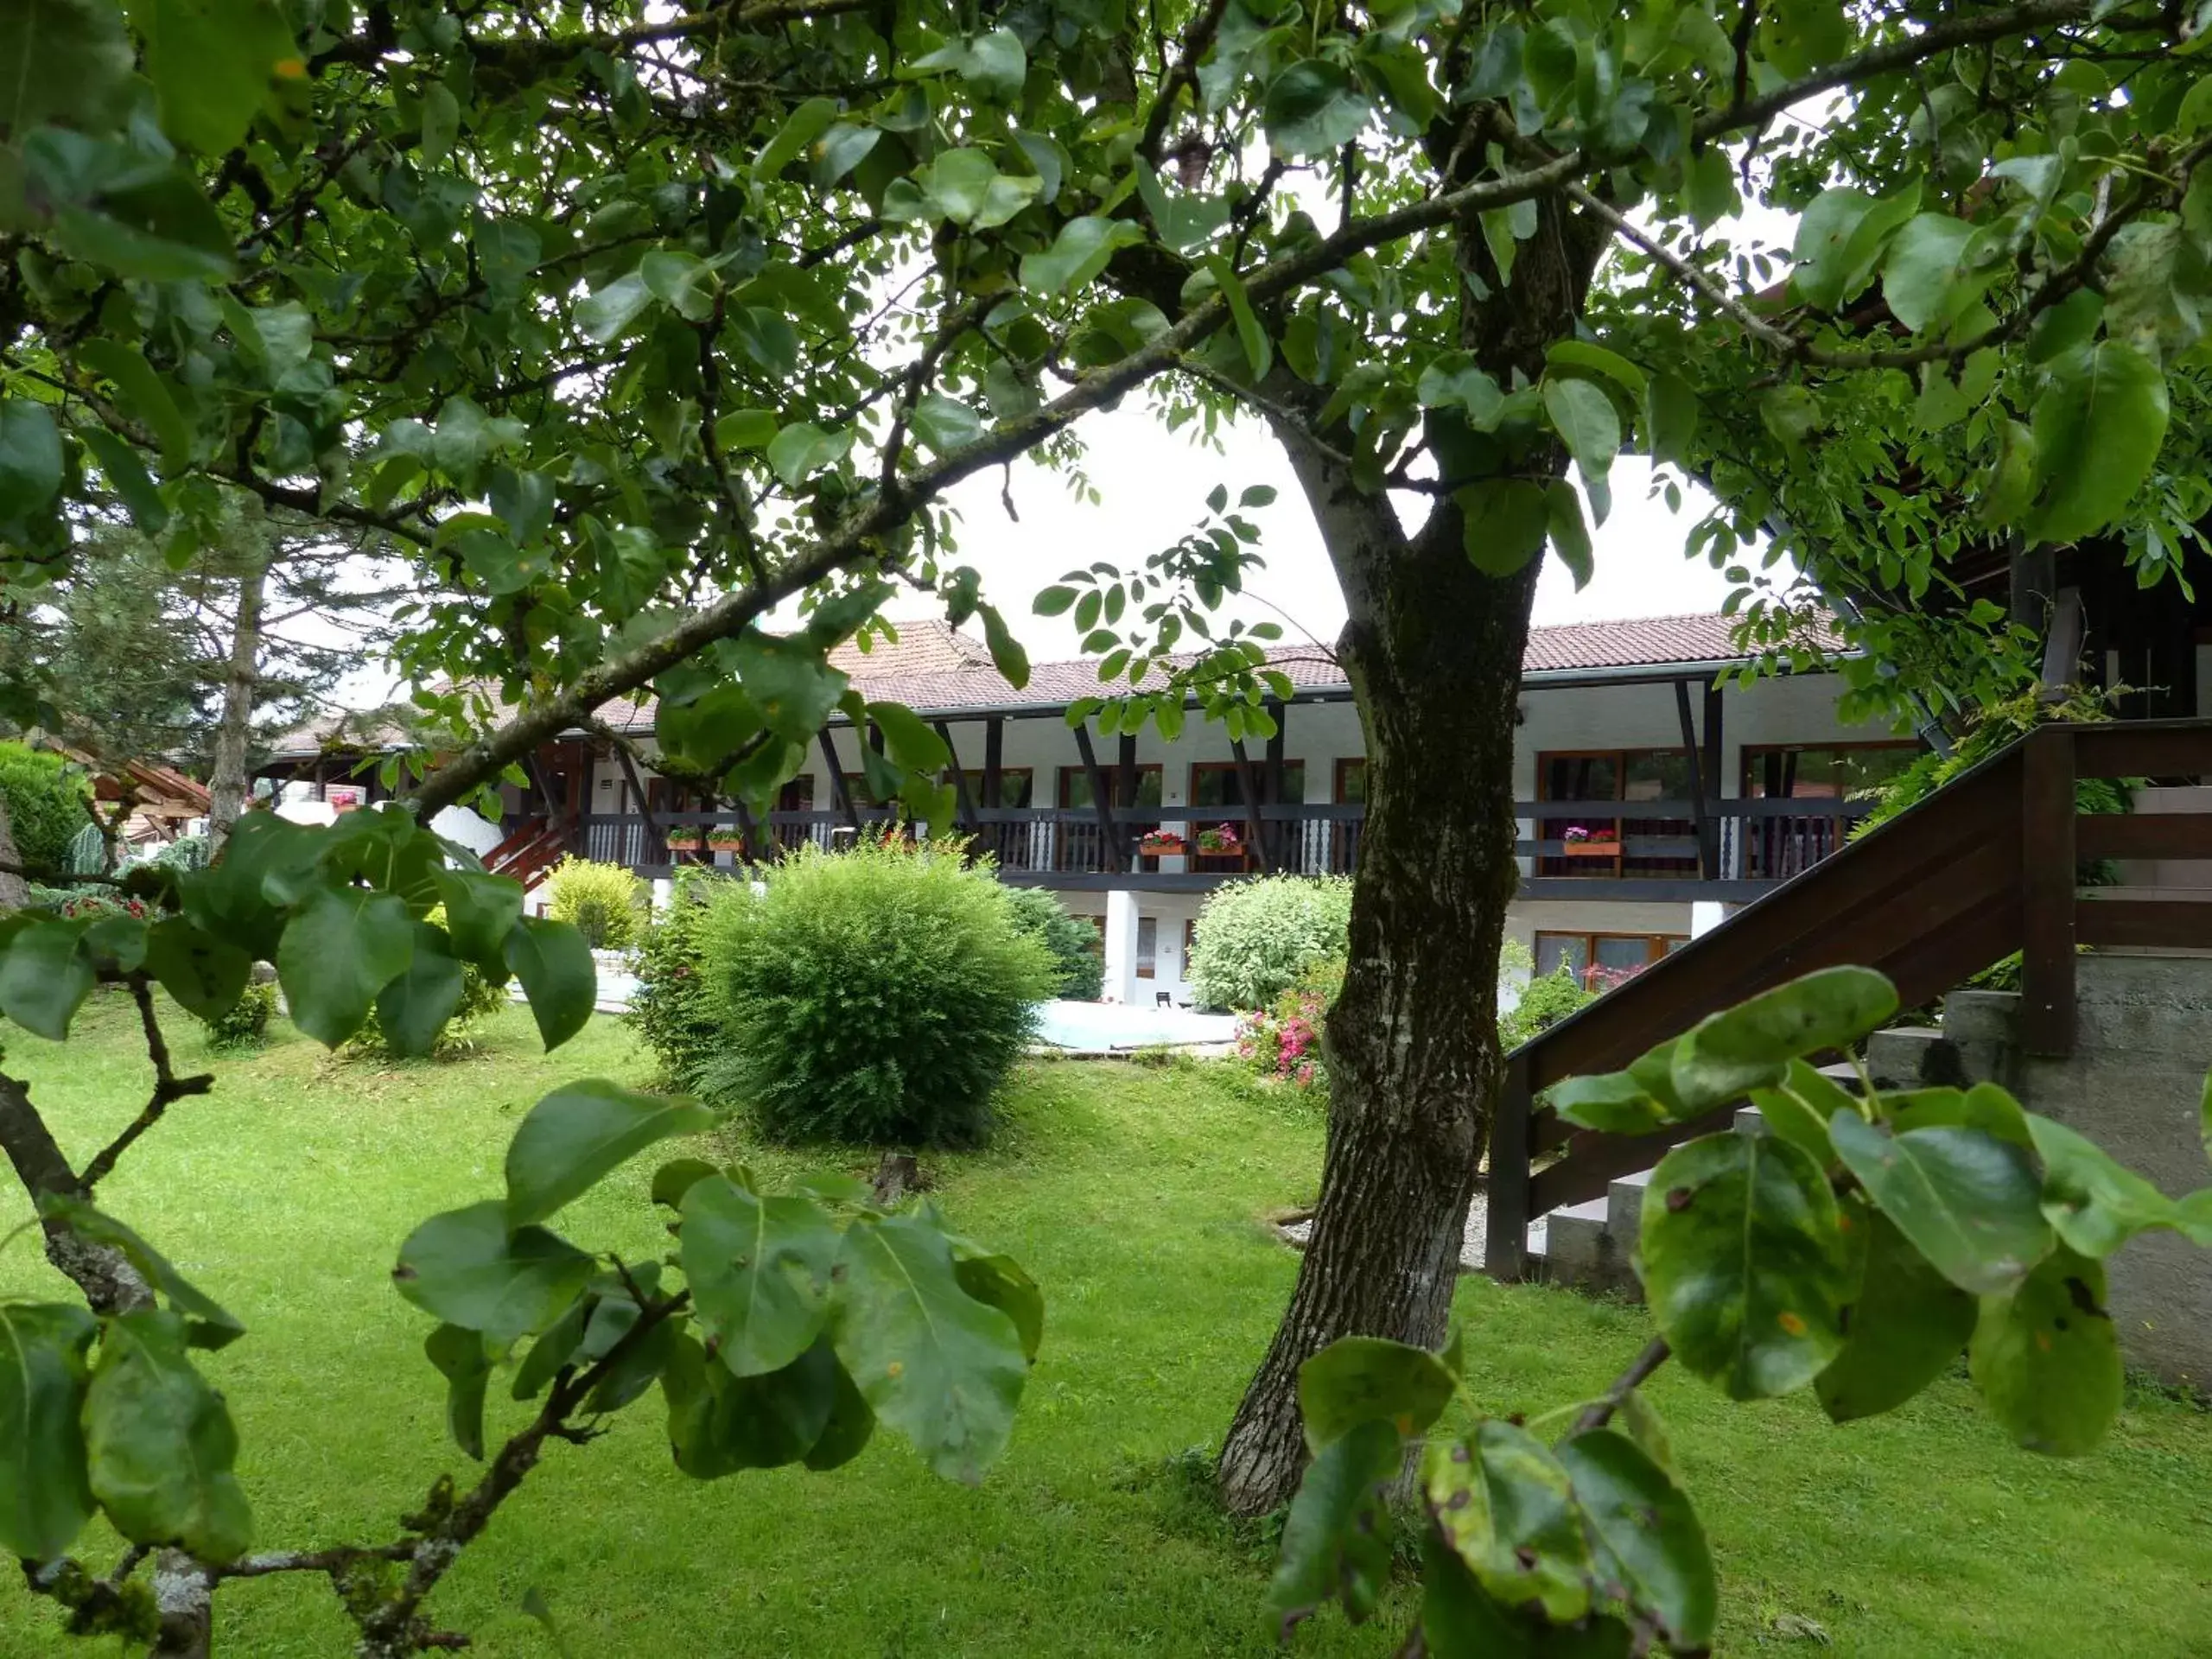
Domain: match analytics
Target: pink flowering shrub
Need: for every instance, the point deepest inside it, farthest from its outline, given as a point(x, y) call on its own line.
point(1284, 1039)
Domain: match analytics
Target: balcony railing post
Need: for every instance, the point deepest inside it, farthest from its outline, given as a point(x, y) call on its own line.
point(2047, 892)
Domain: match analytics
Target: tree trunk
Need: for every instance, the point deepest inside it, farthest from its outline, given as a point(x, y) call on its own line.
point(13, 893)
point(1432, 648)
point(227, 783)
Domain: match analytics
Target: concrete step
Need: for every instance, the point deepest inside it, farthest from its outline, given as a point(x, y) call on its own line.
point(1914, 1057)
point(1579, 1248)
point(1624, 1208)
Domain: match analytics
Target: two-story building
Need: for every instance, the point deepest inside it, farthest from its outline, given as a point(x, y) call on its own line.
point(1650, 798)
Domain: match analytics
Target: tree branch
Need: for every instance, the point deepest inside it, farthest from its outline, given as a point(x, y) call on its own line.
point(168, 1088)
point(1600, 1411)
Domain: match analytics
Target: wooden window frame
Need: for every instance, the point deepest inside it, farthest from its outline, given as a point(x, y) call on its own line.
point(1343, 769)
point(1549, 864)
point(1655, 944)
point(1063, 789)
point(1755, 755)
point(1228, 768)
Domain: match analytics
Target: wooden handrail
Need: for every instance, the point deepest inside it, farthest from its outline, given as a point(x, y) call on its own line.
point(1986, 866)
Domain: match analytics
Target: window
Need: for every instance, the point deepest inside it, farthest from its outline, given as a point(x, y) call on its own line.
point(1352, 782)
point(1016, 786)
point(1147, 944)
point(1602, 847)
point(1075, 786)
point(1217, 783)
point(1609, 954)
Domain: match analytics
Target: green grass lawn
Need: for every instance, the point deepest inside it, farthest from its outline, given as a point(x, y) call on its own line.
point(1134, 1197)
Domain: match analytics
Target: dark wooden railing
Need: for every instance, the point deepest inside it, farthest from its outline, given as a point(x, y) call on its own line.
point(1986, 866)
point(532, 849)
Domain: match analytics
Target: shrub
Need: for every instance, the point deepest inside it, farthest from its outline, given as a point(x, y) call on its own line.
point(1255, 938)
point(47, 803)
point(880, 994)
point(671, 1009)
point(608, 904)
point(246, 1026)
point(1072, 941)
point(1545, 1000)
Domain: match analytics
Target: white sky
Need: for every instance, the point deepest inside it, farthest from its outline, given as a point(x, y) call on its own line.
point(1154, 485)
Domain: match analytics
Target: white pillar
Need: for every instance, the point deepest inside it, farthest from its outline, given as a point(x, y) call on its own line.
point(1706, 914)
point(663, 887)
point(1120, 947)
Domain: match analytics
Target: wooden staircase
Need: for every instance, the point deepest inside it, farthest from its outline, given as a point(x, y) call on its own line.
point(1984, 866)
point(532, 850)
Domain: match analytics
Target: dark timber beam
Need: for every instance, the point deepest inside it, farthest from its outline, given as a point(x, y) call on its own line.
point(1712, 768)
point(959, 778)
point(1279, 834)
point(1248, 783)
point(1125, 773)
point(994, 761)
point(1707, 843)
point(1110, 842)
point(844, 795)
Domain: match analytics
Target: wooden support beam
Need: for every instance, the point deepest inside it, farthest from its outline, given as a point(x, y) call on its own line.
point(1715, 776)
point(536, 774)
point(1125, 773)
point(1278, 833)
point(959, 778)
point(2048, 857)
point(1109, 852)
point(844, 795)
point(993, 761)
point(1708, 846)
point(1248, 783)
point(2061, 647)
point(1505, 1243)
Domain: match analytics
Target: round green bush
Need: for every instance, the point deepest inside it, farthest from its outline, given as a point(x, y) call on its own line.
point(1072, 941)
point(1545, 1000)
point(1254, 939)
point(48, 801)
point(607, 903)
point(246, 1025)
point(879, 995)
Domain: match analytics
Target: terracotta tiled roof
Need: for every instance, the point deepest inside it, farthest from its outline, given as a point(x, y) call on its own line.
point(934, 667)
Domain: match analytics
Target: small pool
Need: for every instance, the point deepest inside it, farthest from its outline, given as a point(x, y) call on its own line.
point(1097, 1026)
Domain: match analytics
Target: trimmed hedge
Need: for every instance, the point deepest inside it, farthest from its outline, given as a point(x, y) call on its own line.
point(608, 904)
point(47, 805)
point(879, 995)
point(1255, 939)
point(1073, 941)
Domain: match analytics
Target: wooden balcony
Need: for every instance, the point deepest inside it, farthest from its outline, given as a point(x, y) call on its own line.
point(1733, 850)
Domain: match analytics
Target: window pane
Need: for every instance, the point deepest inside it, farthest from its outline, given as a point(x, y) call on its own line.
point(1658, 775)
point(1147, 944)
point(1556, 950)
point(1148, 787)
point(1216, 786)
point(1294, 781)
point(1617, 953)
point(1581, 777)
point(1351, 781)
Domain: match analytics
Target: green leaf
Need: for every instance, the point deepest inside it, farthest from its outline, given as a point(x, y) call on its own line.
point(1570, 536)
point(1078, 253)
point(1000, 1282)
point(414, 1007)
point(1670, 418)
point(1907, 1326)
point(555, 1346)
point(2012, 484)
point(802, 449)
point(208, 1324)
point(2095, 1204)
point(1504, 522)
point(464, 1267)
point(1751, 1046)
point(142, 395)
point(481, 909)
point(758, 1270)
point(913, 742)
point(160, 1444)
point(745, 429)
point(30, 458)
point(127, 477)
point(839, 151)
point(935, 1364)
point(1314, 108)
point(582, 1132)
point(2097, 429)
point(995, 62)
point(2046, 1359)
point(677, 1177)
point(1709, 188)
point(1744, 1262)
point(850, 1427)
point(607, 312)
point(1259, 351)
point(214, 63)
point(636, 1368)
point(1599, 360)
point(1360, 1379)
point(340, 948)
point(1008, 654)
point(1824, 270)
point(681, 280)
point(558, 977)
point(1923, 271)
point(1967, 1201)
point(1335, 1539)
point(1985, 1107)
point(45, 1498)
point(1611, 1103)
point(65, 59)
point(1506, 1506)
point(460, 1359)
point(205, 975)
point(1584, 417)
point(1799, 1107)
point(800, 129)
point(719, 1424)
point(1649, 1538)
point(1453, 381)
point(45, 977)
point(945, 423)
